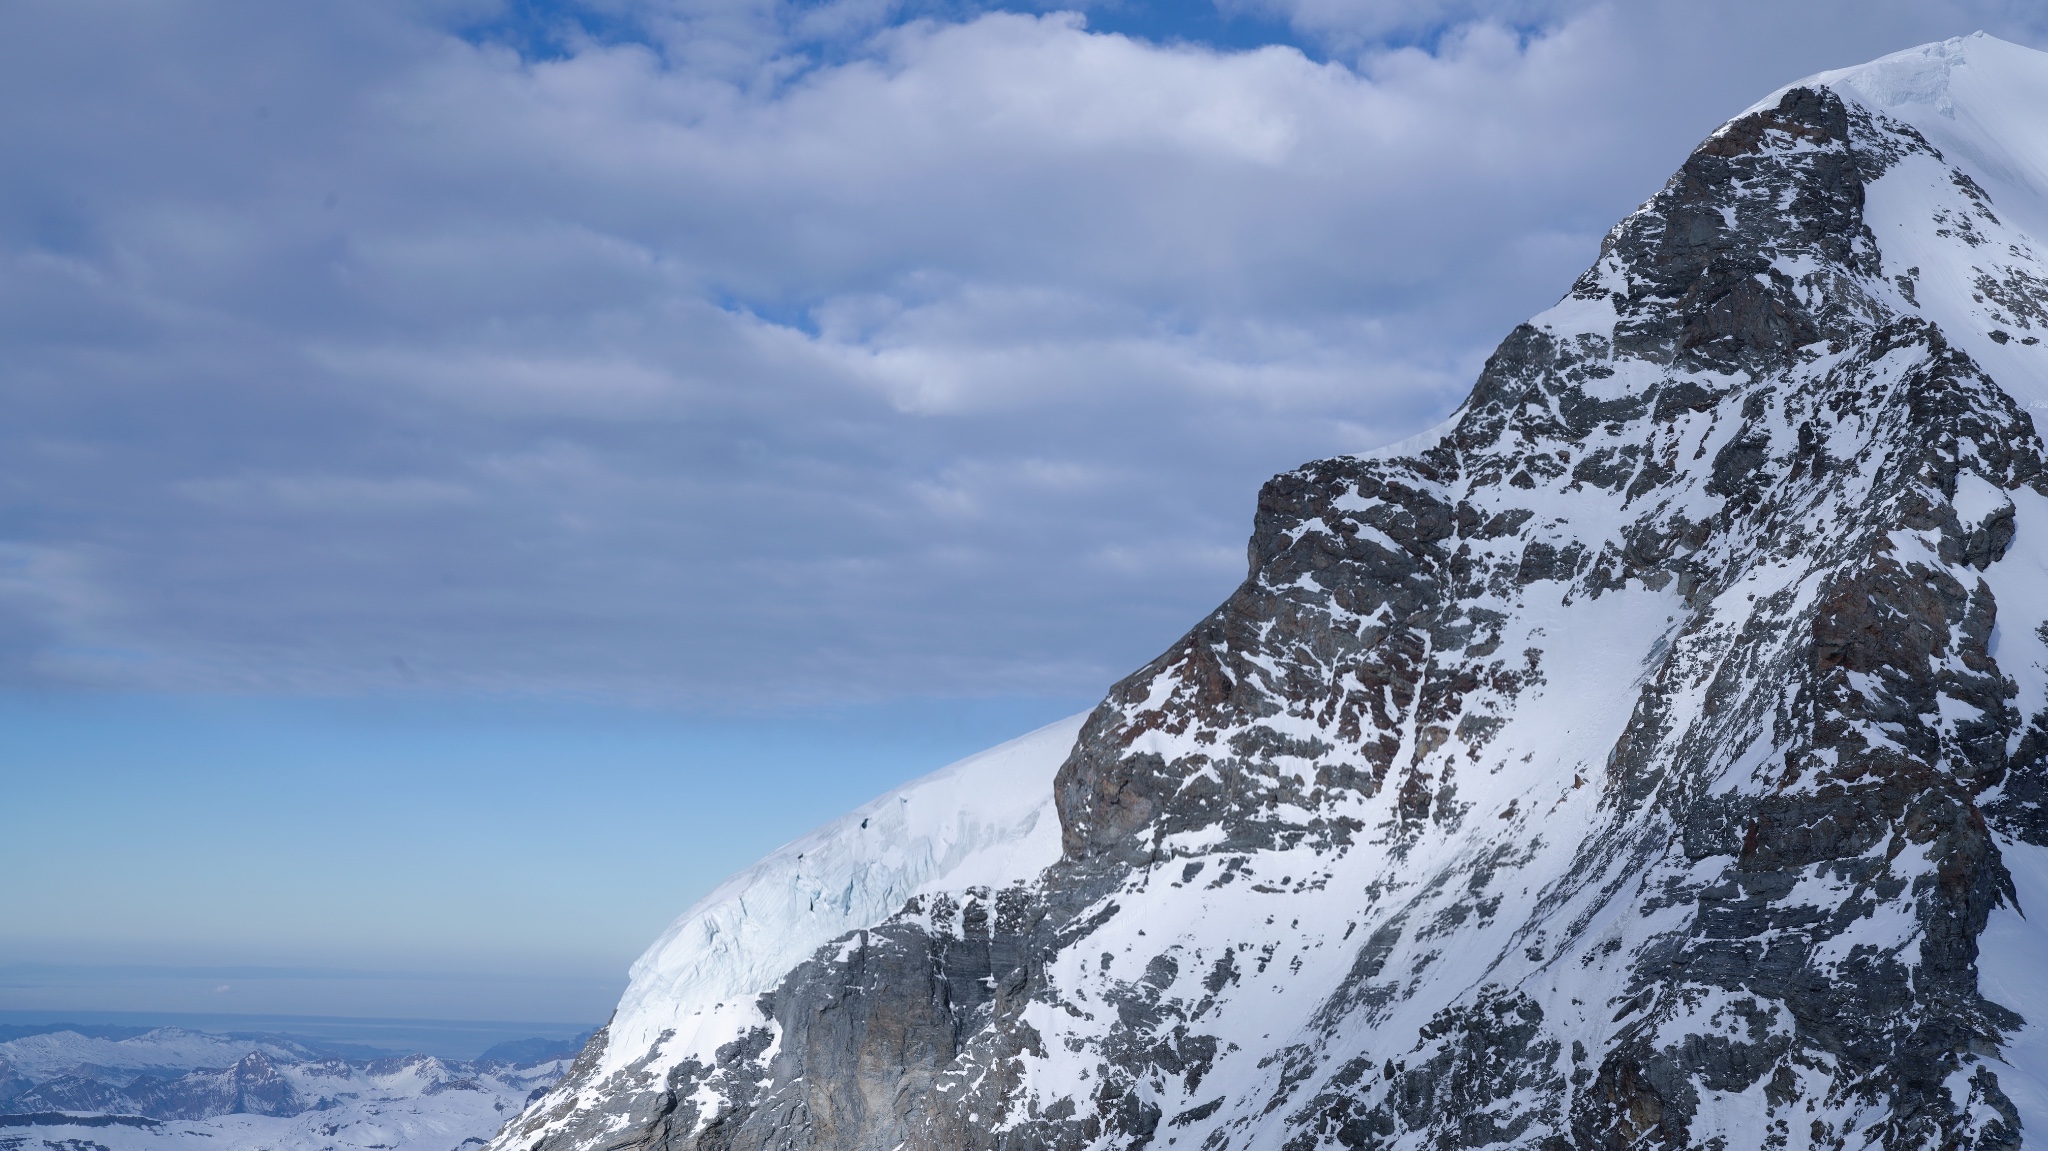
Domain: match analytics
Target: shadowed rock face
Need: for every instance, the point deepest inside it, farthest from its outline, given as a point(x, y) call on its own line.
point(1627, 764)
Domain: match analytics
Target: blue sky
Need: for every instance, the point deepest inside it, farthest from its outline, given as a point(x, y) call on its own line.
point(472, 474)
point(404, 857)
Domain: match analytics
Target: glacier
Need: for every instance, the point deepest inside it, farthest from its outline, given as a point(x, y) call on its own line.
point(987, 819)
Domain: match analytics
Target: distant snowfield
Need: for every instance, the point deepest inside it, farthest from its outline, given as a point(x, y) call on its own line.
point(411, 1109)
point(77, 1093)
point(382, 1114)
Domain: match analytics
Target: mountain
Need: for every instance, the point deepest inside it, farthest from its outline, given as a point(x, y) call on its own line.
point(1653, 755)
point(171, 1087)
point(163, 1050)
point(12, 1031)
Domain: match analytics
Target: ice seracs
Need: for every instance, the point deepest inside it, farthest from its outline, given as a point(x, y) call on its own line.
point(987, 820)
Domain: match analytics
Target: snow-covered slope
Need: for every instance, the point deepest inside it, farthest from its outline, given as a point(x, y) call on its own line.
point(1656, 754)
point(1978, 102)
point(986, 820)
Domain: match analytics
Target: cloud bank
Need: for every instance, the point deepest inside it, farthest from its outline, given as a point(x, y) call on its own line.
point(729, 352)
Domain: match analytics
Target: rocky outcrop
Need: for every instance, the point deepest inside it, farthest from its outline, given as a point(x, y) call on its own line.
point(1629, 762)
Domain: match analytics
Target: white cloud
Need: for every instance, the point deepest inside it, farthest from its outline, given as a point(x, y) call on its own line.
point(317, 493)
point(946, 359)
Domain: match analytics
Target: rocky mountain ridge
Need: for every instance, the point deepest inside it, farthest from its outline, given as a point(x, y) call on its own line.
point(1654, 754)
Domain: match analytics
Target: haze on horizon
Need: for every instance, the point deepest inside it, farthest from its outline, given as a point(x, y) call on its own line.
point(476, 473)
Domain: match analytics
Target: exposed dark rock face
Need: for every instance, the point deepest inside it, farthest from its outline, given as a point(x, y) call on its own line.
point(13, 1084)
point(251, 1087)
point(1627, 765)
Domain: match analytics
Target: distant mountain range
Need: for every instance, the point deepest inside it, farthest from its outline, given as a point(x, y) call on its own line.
point(116, 1088)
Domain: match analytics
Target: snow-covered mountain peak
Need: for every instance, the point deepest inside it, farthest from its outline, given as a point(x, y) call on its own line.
point(1632, 761)
point(1918, 75)
point(1978, 103)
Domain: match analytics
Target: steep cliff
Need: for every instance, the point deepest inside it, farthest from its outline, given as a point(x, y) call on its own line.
point(1654, 754)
